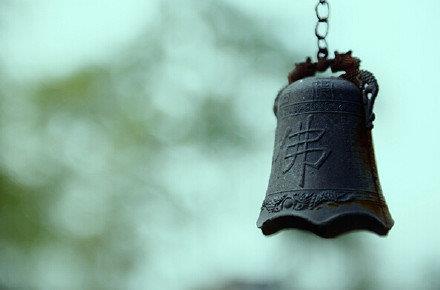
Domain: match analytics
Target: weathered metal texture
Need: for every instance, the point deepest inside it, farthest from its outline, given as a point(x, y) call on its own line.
point(324, 177)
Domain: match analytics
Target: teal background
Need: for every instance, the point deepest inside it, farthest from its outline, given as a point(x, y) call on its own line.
point(136, 141)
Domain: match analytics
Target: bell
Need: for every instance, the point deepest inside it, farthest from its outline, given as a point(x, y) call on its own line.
point(324, 177)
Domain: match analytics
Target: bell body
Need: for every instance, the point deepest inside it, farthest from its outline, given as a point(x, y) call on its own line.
point(324, 177)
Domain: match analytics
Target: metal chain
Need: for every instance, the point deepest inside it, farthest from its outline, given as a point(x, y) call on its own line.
point(322, 27)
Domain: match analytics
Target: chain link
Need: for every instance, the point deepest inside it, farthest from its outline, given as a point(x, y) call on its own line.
point(322, 27)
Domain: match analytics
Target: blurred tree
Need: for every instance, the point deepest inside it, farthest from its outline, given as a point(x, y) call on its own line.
point(81, 156)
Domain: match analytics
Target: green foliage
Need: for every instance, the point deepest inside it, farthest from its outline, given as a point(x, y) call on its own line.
point(105, 133)
point(215, 125)
point(103, 113)
point(22, 222)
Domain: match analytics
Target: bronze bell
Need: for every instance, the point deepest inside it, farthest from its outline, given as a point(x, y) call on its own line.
point(324, 177)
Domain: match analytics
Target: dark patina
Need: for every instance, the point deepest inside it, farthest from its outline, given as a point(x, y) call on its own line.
point(324, 177)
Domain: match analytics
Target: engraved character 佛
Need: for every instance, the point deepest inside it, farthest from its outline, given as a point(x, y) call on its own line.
point(299, 147)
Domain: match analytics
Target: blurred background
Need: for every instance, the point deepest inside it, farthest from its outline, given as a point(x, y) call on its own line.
point(136, 141)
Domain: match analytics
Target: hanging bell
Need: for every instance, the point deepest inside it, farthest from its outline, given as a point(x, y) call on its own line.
point(324, 177)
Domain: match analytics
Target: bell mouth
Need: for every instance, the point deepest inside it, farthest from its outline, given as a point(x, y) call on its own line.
point(339, 225)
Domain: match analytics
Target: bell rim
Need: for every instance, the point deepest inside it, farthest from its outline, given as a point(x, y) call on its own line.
point(340, 224)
